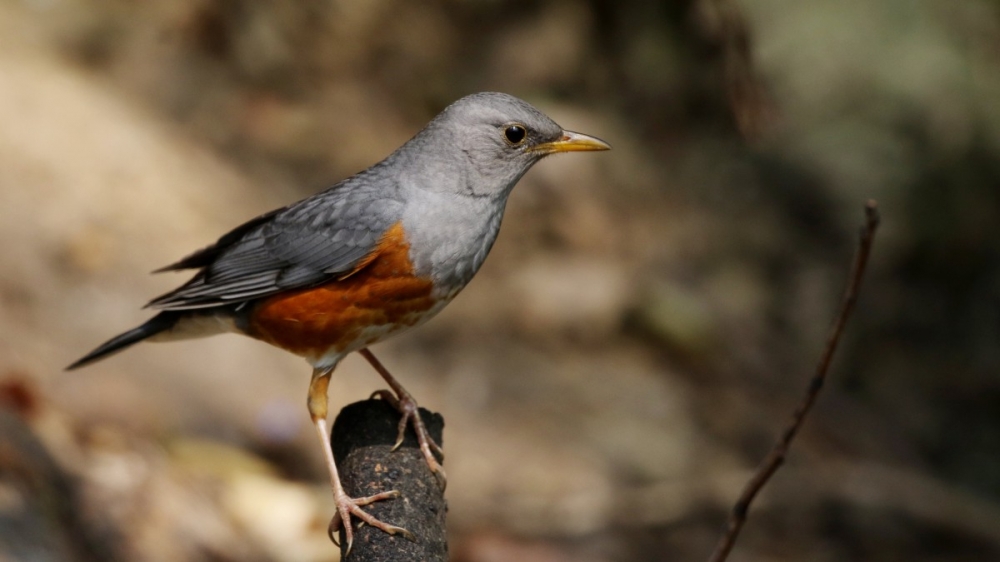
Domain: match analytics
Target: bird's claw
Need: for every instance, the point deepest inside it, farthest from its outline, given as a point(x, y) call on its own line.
point(348, 506)
point(410, 412)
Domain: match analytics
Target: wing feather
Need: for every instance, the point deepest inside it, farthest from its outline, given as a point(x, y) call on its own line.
point(319, 239)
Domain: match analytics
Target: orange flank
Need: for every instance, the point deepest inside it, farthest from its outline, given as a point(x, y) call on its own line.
point(382, 295)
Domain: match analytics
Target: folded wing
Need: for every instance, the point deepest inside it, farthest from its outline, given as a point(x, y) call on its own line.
point(311, 242)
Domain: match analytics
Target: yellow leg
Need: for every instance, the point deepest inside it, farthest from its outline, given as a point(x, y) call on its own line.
point(346, 505)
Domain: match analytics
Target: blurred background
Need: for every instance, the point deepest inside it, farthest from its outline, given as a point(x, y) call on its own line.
point(644, 327)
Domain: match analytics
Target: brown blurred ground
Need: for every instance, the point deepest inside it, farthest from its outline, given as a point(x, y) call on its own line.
point(680, 286)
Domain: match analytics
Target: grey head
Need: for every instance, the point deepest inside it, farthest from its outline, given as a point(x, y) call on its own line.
point(487, 141)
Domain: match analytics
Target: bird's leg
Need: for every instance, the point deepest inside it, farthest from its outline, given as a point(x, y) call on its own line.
point(407, 406)
point(346, 505)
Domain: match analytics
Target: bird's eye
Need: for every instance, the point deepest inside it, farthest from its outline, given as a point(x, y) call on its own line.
point(515, 134)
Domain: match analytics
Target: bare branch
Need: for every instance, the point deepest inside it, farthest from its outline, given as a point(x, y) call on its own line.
point(776, 457)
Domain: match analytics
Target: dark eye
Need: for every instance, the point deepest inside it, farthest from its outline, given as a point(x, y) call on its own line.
point(515, 134)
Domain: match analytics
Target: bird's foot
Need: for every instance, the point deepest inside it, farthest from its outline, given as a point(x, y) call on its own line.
point(409, 410)
point(348, 506)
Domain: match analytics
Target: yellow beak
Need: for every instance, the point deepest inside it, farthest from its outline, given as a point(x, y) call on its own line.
point(572, 142)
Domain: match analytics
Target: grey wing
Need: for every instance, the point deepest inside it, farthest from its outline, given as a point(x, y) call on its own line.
point(314, 241)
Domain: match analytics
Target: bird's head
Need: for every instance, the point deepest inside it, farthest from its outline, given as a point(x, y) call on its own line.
point(492, 139)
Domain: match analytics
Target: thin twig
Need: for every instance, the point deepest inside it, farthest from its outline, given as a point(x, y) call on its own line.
point(776, 457)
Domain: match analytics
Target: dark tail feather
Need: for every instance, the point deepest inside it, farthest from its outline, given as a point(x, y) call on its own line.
point(159, 323)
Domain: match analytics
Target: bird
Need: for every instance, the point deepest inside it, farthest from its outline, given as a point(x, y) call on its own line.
point(365, 259)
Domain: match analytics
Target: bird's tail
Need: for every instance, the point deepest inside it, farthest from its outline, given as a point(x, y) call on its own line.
point(159, 323)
